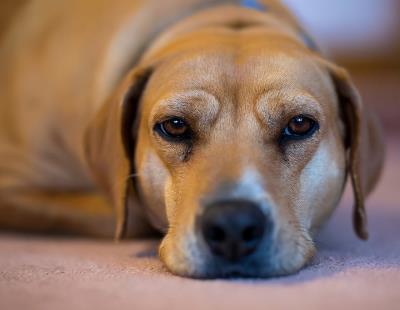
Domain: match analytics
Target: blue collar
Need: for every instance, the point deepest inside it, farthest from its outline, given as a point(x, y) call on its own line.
point(253, 4)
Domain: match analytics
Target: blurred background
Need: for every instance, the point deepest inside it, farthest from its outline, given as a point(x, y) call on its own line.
point(359, 32)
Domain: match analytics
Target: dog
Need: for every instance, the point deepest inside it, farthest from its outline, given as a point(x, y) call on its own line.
point(217, 123)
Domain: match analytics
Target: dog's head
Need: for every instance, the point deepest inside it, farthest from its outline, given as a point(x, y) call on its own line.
point(237, 141)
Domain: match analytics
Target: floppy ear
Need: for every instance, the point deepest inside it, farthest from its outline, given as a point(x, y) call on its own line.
point(110, 147)
point(364, 144)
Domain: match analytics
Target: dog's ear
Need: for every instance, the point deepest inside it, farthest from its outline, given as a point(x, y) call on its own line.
point(363, 142)
point(110, 147)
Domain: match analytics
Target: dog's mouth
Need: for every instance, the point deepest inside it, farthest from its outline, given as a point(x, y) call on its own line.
point(270, 259)
point(238, 273)
point(253, 266)
point(233, 271)
point(235, 274)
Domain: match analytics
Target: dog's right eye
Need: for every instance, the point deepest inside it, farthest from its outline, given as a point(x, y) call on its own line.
point(174, 128)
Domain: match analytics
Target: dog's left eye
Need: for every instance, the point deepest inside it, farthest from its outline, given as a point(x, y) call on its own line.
point(174, 128)
point(300, 127)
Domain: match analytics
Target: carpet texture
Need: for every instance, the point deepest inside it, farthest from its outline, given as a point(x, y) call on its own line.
point(65, 273)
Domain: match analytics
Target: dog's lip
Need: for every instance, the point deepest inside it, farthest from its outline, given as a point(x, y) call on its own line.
point(233, 273)
point(238, 274)
point(229, 270)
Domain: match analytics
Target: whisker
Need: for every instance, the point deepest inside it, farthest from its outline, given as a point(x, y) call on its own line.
point(132, 176)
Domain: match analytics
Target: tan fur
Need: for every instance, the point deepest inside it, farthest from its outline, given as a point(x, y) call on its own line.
point(82, 88)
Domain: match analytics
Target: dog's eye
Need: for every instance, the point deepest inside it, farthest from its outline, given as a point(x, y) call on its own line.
point(174, 128)
point(300, 127)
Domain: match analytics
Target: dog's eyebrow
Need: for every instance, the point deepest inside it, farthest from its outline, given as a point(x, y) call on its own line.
point(276, 102)
point(198, 103)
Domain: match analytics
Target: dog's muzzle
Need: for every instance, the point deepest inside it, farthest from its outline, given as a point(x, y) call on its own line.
point(233, 229)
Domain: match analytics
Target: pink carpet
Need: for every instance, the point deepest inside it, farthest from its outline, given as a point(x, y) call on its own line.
point(65, 273)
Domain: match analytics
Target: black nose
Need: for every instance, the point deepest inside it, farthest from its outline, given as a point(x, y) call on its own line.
point(233, 229)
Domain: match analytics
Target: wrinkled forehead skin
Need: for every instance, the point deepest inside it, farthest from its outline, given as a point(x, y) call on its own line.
point(254, 69)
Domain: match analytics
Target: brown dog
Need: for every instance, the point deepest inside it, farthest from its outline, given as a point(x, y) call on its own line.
point(216, 122)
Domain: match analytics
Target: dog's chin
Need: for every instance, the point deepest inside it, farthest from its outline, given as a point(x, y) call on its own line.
point(189, 261)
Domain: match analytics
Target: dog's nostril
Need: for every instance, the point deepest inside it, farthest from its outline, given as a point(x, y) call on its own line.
point(233, 229)
point(215, 234)
point(251, 233)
